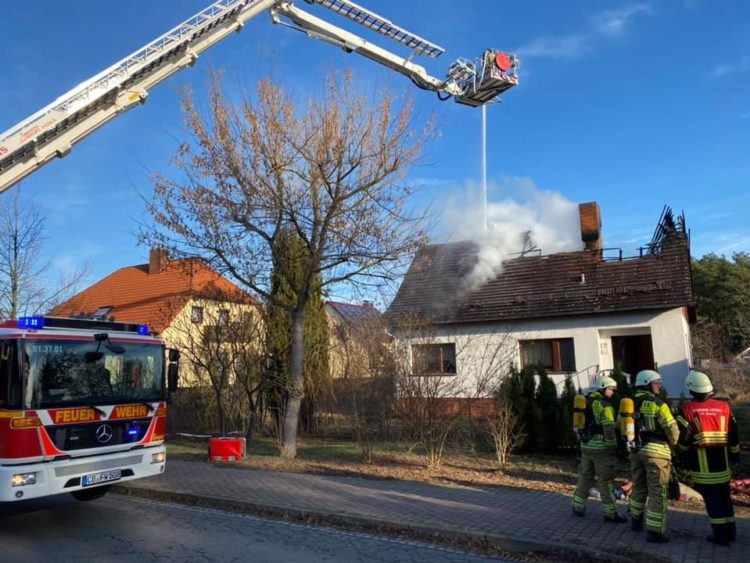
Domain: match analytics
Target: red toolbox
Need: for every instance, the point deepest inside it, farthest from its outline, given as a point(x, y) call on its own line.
point(226, 449)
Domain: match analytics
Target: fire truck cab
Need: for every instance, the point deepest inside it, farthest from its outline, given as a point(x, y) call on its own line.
point(82, 405)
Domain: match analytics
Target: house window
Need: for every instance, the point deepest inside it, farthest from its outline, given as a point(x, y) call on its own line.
point(102, 312)
point(434, 358)
point(553, 354)
point(223, 317)
point(196, 315)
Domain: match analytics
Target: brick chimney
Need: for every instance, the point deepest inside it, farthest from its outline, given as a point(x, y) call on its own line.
point(157, 260)
point(591, 225)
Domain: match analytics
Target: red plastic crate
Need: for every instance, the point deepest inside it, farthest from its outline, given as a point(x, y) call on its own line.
point(226, 449)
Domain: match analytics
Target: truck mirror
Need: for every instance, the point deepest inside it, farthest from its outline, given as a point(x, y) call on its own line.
point(173, 376)
point(174, 355)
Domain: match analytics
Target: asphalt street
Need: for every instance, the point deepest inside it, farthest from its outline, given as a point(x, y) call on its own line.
point(117, 528)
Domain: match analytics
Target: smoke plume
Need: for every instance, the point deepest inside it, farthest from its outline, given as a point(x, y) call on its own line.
point(520, 217)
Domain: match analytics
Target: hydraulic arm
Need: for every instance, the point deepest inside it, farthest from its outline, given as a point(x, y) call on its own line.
point(52, 131)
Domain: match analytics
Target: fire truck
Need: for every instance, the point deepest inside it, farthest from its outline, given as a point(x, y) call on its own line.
point(82, 405)
point(83, 402)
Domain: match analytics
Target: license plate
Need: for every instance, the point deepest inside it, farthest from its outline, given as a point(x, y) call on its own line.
point(103, 477)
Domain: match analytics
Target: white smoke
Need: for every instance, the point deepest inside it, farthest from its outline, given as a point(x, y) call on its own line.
point(520, 216)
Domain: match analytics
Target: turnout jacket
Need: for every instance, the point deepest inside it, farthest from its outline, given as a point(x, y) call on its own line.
point(709, 439)
point(656, 427)
point(600, 421)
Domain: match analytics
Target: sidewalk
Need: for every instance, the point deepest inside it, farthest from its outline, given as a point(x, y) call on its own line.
point(516, 519)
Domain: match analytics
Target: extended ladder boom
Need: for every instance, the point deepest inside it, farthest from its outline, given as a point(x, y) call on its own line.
point(52, 131)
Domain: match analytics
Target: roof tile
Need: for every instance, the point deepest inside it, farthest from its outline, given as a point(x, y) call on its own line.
point(153, 299)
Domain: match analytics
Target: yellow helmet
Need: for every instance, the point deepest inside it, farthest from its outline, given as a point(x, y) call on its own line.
point(645, 377)
point(698, 382)
point(603, 382)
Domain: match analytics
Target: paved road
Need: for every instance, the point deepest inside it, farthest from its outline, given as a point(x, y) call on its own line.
point(117, 528)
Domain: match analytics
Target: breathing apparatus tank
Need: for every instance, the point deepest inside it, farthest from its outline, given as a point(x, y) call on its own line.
point(579, 413)
point(627, 420)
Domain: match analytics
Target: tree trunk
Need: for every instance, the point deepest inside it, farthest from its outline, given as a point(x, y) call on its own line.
point(296, 385)
point(220, 411)
point(252, 423)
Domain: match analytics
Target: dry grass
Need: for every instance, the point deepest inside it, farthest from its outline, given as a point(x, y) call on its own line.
point(397, 461)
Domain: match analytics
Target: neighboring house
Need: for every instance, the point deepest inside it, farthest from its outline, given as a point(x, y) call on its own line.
point(184, 301)
point(572, 312)
point(356, 339)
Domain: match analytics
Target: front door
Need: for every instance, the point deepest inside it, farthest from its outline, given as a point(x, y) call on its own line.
point(633, 353)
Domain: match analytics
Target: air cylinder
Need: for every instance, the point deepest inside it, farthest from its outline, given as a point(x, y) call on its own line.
point(579, 412)
point(627, 422)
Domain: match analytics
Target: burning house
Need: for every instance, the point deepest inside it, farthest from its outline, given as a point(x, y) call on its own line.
point(572, 312)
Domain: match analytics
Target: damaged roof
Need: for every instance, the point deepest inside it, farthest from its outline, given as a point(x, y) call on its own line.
point(534, 287)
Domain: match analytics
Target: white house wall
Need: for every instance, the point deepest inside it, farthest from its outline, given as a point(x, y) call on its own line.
point(484, 351)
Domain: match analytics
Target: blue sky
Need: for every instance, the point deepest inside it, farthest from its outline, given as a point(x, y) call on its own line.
point(632, 104)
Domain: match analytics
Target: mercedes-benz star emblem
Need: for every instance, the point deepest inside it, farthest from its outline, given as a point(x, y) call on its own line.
point(104, 433)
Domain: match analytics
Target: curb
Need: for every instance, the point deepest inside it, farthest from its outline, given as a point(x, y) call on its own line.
point(485, 543)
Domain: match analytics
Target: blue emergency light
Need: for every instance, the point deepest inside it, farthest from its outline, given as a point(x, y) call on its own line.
point(143, 329)
point(31, 322)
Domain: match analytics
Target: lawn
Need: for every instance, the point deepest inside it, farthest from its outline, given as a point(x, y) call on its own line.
point(395, 460)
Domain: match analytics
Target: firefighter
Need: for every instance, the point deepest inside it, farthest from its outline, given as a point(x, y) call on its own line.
point(598, 451)
point(651, 457)
point(709, 436)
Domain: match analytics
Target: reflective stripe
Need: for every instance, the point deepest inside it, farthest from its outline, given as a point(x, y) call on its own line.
point(710, 478)
point(718, 438)
point(657, 449)
point(656, 521)
point(702, 462)
point(719, 520)
point(636, 508)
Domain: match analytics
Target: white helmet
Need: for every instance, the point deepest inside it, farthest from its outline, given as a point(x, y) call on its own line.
point(646, 377)
point(698, 382)
point(603, 382)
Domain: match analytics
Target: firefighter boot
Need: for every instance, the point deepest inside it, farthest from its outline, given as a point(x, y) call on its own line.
point(721, 534)
point(636, 524)
point(656, 537)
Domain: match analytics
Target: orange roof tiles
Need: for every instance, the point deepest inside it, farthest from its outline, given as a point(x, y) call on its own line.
point(153, 299)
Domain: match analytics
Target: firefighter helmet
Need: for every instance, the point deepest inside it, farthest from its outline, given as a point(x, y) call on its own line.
point(646, 377)
point(698, 382)
point(603, 382)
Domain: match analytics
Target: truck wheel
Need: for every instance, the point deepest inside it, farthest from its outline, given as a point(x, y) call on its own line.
point(90, 494)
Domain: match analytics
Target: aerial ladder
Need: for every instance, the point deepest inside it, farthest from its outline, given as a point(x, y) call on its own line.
point(52, 131)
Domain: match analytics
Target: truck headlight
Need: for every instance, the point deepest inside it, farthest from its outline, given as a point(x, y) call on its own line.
point(158, 457)
point(23, 479)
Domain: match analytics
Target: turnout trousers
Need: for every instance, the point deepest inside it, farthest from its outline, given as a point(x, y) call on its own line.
point(650, 481)
point(720, 510)
point(596, 466)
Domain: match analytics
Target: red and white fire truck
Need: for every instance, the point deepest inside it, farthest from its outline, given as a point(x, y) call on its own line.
point(82, 405)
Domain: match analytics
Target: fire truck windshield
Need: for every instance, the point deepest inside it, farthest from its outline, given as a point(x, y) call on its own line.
point(64, 372)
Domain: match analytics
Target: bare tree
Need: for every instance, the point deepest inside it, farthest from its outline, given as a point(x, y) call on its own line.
point(445, 375)
point(505, 430)
point(362, 363)
point(27, 284)
point(332, 169)
point(225, 351)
